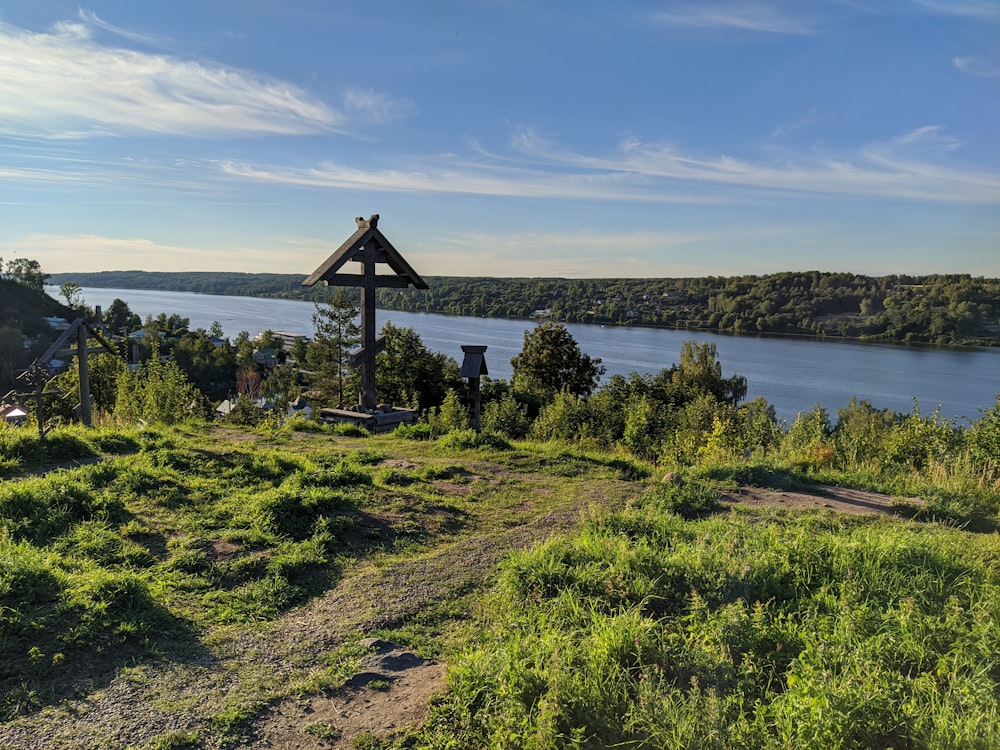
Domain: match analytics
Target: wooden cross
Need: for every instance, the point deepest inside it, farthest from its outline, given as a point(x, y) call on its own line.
point(75, 340)
point(369, 247)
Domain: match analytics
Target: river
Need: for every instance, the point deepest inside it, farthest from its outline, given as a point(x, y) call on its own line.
point(792, 374)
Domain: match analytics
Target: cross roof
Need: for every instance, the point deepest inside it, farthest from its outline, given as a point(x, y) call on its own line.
point(367, 236)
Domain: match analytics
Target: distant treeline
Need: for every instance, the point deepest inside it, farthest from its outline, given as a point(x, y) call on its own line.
point(941, 309)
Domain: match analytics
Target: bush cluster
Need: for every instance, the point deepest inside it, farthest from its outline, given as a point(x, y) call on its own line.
point(646, 630)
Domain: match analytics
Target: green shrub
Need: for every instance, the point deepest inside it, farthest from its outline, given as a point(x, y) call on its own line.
point(299, 423)
point(562, 419)
point(451, 415)
point(508, 416)
point(416, 431)
point(350, 430)
point(39, 510)
point(470, 439)
point(688, 500)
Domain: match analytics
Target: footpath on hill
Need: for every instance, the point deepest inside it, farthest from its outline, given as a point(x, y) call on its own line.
point(223, 694)
point(225, 689)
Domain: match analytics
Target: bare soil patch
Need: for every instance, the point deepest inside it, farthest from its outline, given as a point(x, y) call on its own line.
point(825, 497)
point(392, 692)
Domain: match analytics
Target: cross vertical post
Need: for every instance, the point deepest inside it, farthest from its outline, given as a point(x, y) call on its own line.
point(368, 397)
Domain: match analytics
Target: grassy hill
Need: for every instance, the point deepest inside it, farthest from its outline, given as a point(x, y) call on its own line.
point(23, 308)
point(203, 586)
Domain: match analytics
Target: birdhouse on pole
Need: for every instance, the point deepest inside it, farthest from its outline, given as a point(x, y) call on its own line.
point(473, 368)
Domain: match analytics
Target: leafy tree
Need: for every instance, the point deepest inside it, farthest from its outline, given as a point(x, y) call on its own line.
point(72, 293)
point(551, 361)
point(28, 273)
point(119, 318)
point(281, 386)
point(300, 351)
point(328, 356)
point(699, 373)
point(244, 351)
point(172, 326)
point(407, 372)
point(211, 368)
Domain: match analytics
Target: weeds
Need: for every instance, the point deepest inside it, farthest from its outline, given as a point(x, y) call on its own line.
point(650, 632)
point(661, 623)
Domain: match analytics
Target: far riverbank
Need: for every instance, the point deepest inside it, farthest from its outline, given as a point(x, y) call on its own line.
point(940, 309)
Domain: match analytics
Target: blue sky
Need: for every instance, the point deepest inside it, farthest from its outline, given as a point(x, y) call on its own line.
point(503, 137)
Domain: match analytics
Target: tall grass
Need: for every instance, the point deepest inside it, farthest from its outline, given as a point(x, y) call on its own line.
point(645, 630)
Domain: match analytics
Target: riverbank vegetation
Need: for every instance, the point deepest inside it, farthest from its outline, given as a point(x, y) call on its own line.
point(664, 617)
point(941, 308)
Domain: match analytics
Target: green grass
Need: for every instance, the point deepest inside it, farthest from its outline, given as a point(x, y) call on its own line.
point(143, 555)
point(645, 630)
point(662, 622)
point(178, 536)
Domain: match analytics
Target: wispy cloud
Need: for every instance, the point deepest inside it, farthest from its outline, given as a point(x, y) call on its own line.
point(466, 178)
point(807, 119)
point(59, 163)
point(76, 252)
point(93, 20)
point(985, 10)
point(375, 107)
point(897, 169)
point(977, 67)
point(64, 84)
point(912, 166)
point(755, 17)
point(582, 254)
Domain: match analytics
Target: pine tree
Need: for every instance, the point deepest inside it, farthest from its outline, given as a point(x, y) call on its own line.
point(328, 356)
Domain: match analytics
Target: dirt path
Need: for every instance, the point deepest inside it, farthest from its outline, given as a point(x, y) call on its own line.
point(239, 669)
point(825, 497)
point(186, 700)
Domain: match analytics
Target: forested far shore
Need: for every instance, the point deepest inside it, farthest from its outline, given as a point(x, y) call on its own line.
point(953, 309)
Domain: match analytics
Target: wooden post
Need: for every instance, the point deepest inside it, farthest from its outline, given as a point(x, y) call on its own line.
point(369, 399)
point(82, 355)
point(40, 408)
